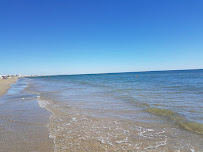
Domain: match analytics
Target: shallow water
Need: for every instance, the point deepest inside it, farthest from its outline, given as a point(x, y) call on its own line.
point(155, 111)
point(23, 122)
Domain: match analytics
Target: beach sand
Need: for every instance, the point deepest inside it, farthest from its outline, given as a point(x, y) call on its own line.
point(5, 85)
point(22, 121)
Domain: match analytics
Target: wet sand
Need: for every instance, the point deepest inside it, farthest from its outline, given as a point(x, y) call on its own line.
point(5, 85)
point(22, 121)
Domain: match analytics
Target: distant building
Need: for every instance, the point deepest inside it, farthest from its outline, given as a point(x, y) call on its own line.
point(4, 77)
point(18, 75)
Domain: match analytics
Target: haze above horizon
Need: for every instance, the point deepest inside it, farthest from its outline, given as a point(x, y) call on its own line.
point(104, 36)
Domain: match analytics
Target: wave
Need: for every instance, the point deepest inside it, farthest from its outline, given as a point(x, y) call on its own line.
point(189, 125)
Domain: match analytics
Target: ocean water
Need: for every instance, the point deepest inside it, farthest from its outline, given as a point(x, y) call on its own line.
point(141, 111)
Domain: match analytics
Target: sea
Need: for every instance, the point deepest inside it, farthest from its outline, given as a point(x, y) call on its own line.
point(157, 111)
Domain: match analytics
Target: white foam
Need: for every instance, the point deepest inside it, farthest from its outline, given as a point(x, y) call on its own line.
point(74, 119)
point(122, 141)
point(42, 103)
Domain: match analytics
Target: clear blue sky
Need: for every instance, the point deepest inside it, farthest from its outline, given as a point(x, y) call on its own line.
point(98, 36)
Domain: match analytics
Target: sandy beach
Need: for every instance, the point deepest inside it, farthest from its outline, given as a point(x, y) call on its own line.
point(22, 121)
point(5, 85)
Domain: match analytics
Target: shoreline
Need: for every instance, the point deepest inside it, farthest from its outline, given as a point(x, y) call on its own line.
point(23, 121)
point(5, 85)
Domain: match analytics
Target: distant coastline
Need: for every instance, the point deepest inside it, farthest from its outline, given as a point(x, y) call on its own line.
point(45, 75)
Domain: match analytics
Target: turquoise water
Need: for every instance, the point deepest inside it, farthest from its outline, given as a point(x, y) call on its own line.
point(165, 101)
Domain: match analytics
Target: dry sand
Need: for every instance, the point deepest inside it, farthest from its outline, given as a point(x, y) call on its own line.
point(5, 85)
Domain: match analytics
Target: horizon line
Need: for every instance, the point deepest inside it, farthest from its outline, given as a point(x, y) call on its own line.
point(112, 72)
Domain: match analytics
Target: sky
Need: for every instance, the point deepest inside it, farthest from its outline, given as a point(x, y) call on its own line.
point(100, 36)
